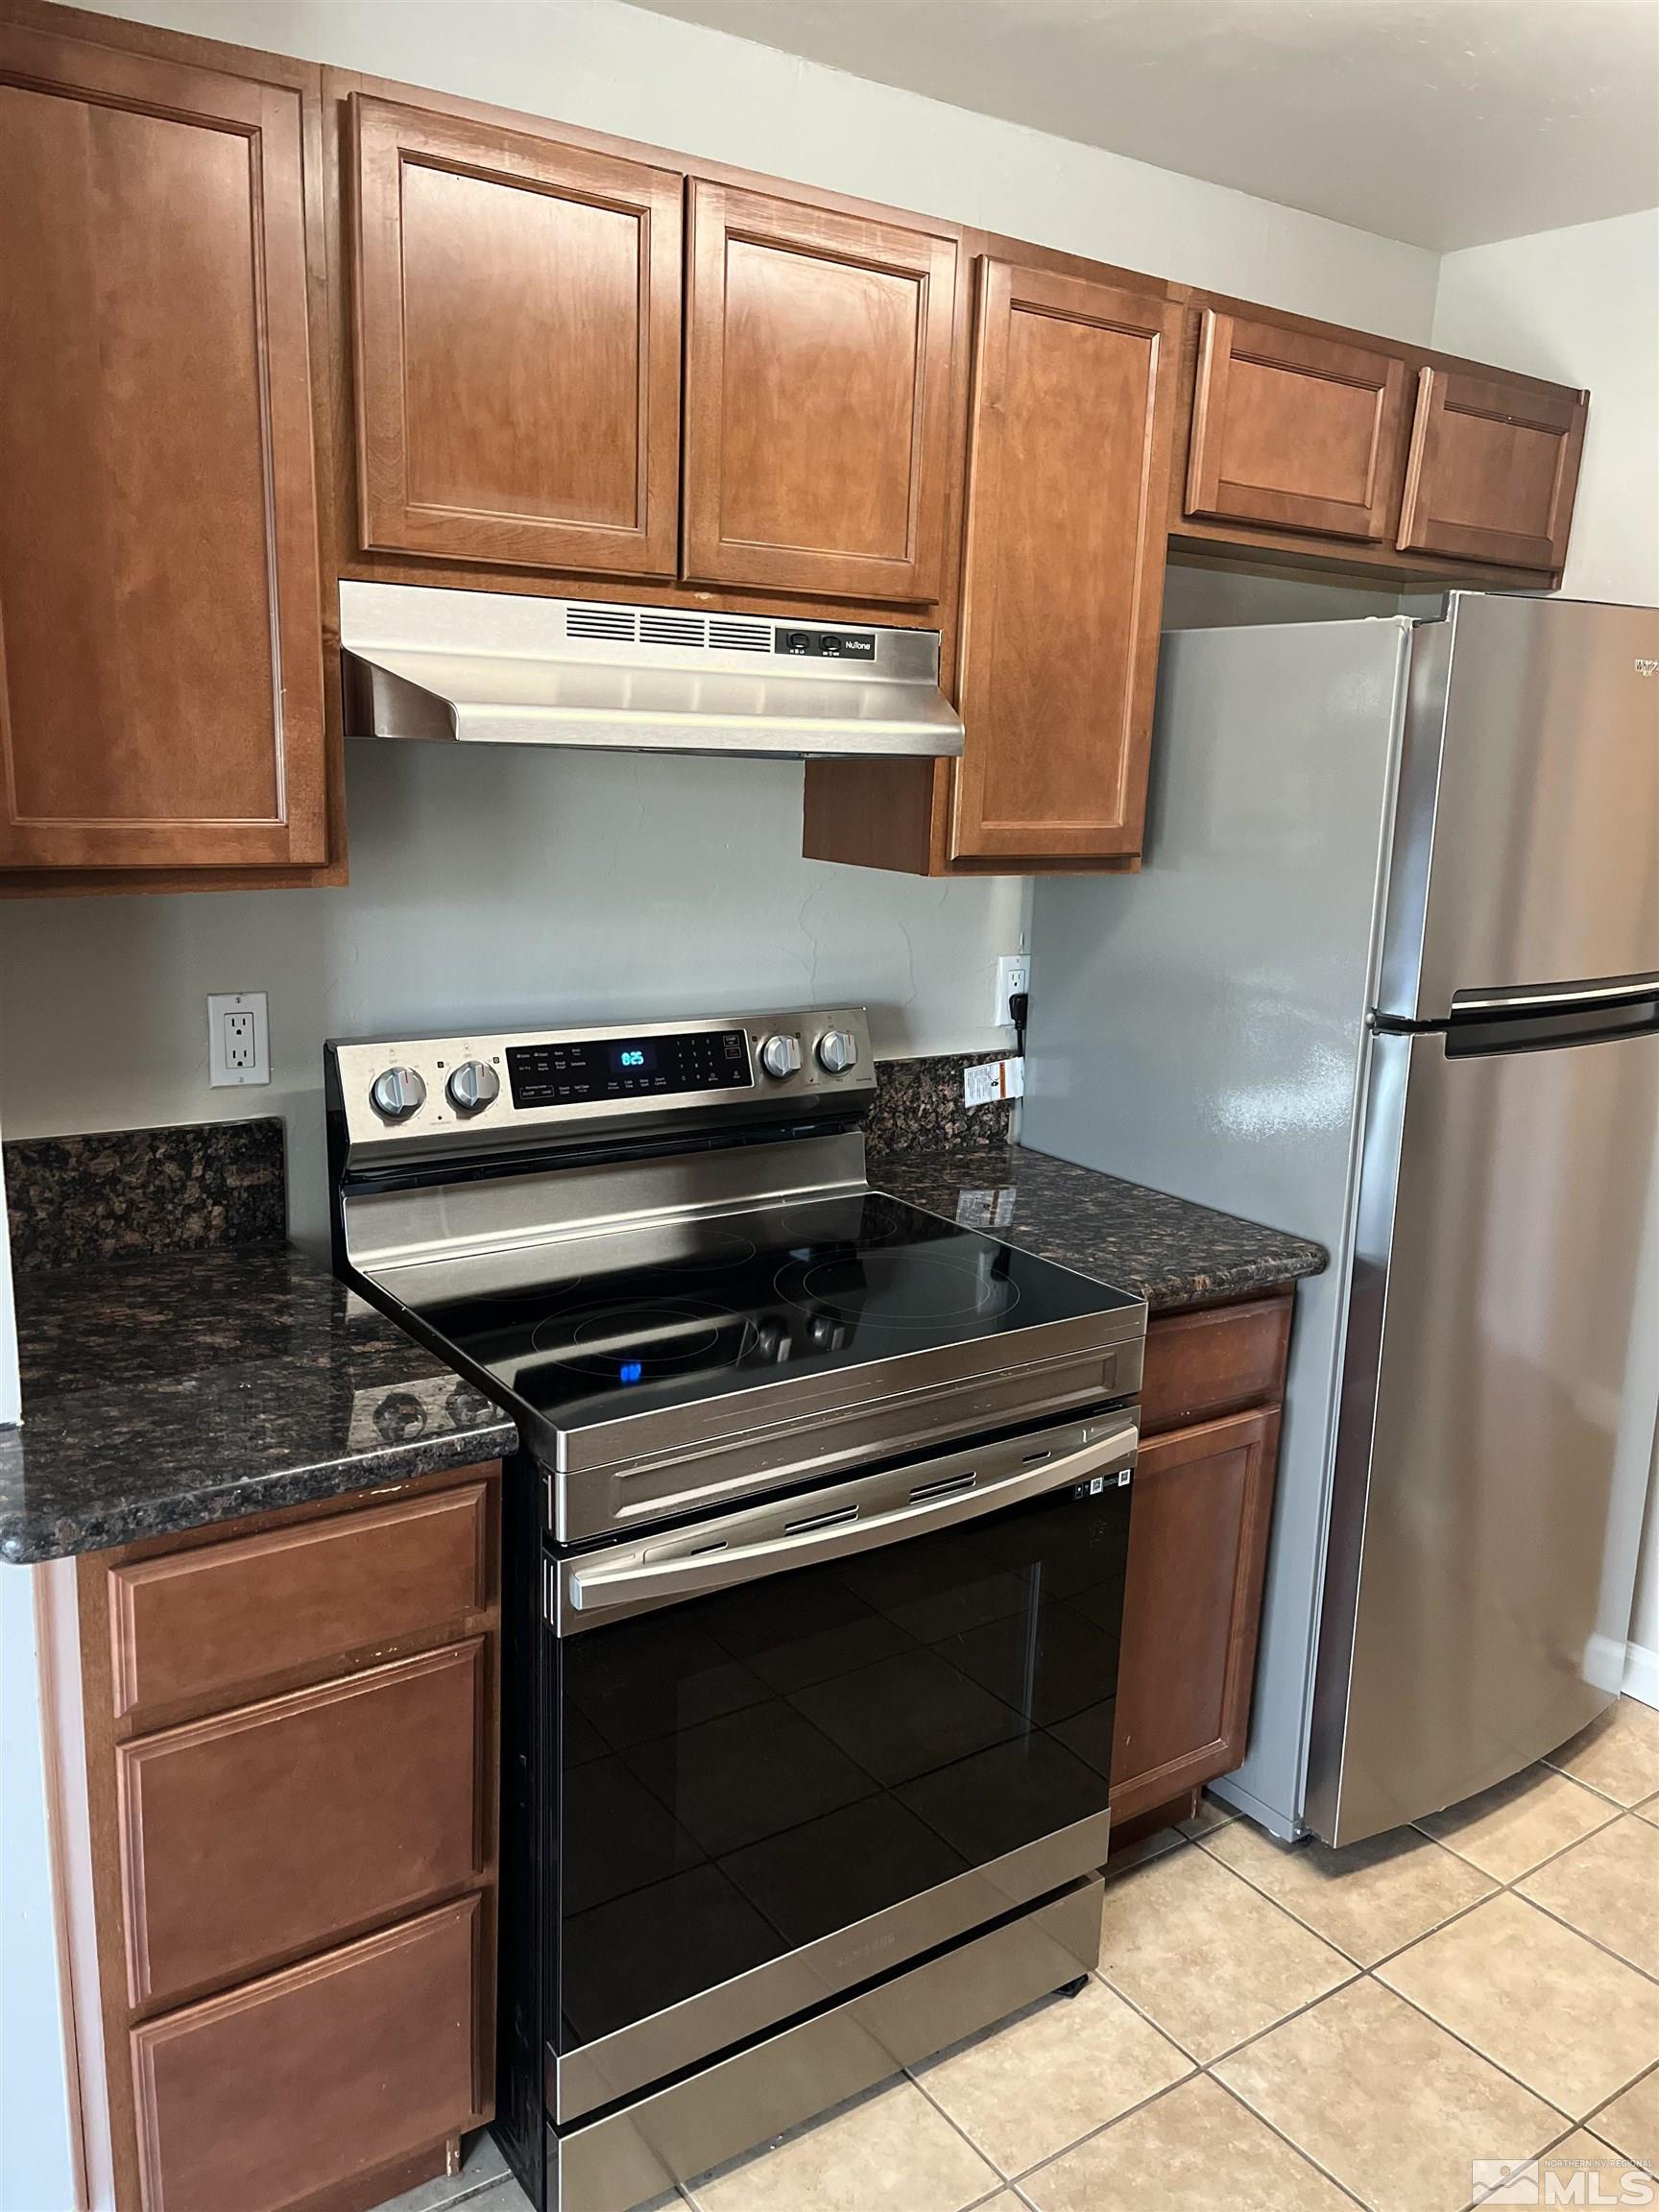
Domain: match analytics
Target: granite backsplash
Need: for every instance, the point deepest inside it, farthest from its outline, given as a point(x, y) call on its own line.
point(145, 1193)
point(919, 1107)
point(217, 1186)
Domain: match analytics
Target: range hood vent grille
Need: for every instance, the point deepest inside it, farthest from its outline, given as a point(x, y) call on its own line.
point(616, 622)
point(495, 668)
point(735, 637)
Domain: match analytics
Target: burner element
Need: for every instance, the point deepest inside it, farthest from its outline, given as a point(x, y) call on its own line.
point(637, 1343)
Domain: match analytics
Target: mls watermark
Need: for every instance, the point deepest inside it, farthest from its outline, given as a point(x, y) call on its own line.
point(1558, 2181)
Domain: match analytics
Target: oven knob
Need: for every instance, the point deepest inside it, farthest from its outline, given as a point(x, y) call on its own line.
point(397, 1093)
point(473, 1086)
point(780, 1056)
point(837, 1051)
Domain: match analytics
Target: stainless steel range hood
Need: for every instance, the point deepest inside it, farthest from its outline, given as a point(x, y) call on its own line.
point(504, 668)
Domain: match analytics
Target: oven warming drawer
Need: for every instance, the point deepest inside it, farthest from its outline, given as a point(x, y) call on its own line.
point(629, 2156)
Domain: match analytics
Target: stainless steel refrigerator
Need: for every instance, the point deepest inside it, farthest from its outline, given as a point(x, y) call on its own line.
point(1389, 977)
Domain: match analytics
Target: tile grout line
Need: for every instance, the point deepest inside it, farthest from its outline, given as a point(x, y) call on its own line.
point(1227, 2090)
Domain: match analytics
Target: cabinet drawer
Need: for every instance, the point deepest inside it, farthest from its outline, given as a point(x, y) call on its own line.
point(228, 1615)
point(258, 1834)
point(1202, 1364)
point(258, 2098)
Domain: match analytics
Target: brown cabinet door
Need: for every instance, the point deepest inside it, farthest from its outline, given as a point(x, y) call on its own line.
point(517, 345)
point(161, 614)
point(1191, 1607)
point(256, 1835)
point(1492, 472)
point(818, 367)
point(263, 2098)
point(1294, 431)
point(1073, 401)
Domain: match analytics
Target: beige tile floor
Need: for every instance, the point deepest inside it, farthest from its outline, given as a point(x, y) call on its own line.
point(1302, 2029)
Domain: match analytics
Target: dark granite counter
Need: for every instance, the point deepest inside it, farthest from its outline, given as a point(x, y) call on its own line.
point(1169, 1250)
point(166, 1393)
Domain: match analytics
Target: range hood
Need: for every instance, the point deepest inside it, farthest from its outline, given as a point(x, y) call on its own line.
point(505, 668)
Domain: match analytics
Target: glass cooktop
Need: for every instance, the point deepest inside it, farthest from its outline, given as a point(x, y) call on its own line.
point(681, 1308)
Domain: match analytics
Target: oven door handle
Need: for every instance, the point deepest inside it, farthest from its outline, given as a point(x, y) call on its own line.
point(592, 1590)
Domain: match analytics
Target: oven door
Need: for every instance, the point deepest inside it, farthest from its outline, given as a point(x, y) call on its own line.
point(797, 1745)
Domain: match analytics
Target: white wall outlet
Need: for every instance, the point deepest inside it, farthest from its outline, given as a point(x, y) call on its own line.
point(238, 1038)
point(1013, 973)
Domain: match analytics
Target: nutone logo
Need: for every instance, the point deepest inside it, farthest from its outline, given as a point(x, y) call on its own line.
point(1647, 667)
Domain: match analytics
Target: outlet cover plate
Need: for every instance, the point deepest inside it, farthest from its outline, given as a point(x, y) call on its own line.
point(238, 1038)
point(1013, 974)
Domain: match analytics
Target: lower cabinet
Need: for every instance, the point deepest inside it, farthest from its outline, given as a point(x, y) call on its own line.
point(294, 1848)
point(261, 2099)
point(1197, 1551)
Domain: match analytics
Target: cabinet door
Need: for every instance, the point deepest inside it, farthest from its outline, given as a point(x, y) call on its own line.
point(1492, 472)
point(161, 614)
point(517, 347)
point(818, 363)
point(1073, 401)
point(1191, 1607)
point(1295, 431)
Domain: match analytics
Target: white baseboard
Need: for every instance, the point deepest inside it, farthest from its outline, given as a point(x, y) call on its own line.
point(1642, 1673)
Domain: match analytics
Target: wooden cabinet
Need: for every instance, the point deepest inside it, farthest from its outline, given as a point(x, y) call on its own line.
point(1063, 580)
point(818, 381)
point(279, 2091)
point(252, 1835)
point(1294, 430)
point(1203, 1502)
point(293, 1894)
point(162, 689)
point(516, 346)
point(1492, 468)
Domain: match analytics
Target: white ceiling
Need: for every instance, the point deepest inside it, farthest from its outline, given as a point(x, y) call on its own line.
point(1444, 123)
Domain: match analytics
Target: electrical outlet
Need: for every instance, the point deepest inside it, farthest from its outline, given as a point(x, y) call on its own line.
point(1013, 973)
point(238, 1038)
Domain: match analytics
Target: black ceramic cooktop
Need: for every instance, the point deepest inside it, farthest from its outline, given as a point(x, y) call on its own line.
point(668, 1314)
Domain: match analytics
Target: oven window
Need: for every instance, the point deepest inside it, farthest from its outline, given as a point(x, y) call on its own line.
point(742, 1773)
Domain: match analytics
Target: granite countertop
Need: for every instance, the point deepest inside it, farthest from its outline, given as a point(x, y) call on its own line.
point(1168, 1249)
point(164, 1394)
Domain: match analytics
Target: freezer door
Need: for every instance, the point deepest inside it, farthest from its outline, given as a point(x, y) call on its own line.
point(1500, 1386)
point(1526, 851)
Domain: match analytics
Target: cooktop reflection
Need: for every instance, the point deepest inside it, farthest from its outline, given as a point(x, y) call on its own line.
point(684, 1309)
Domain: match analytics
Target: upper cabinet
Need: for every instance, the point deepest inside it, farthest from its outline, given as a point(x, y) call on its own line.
point(1493, 470)
point(516, 346)
point(1296, 431)
point(818, 383)
point(161, 685)
point(1072, 415)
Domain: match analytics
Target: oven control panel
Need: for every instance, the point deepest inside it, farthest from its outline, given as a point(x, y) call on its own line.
point(599, 1068)
point(402, 1096)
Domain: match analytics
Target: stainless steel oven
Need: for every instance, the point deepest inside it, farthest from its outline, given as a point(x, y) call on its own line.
point(814, 1565)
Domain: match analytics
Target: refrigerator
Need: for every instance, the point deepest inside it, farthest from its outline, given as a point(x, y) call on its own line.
point(1389, 977)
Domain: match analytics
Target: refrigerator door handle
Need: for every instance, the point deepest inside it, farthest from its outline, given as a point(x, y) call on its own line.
point(1551, 1028)
point(1554, 997)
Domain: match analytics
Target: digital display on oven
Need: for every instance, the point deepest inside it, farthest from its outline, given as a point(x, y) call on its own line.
point(602, 1071)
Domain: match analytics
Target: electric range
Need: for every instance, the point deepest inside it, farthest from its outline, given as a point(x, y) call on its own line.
point(813, 1557)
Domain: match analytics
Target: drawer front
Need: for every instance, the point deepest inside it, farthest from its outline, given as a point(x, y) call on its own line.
point(1202, 1364)
point(260, 2098)
point(258, 1833)
point(182, 1627)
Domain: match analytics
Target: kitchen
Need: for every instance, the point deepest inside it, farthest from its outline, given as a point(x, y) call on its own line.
point(519, 898)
